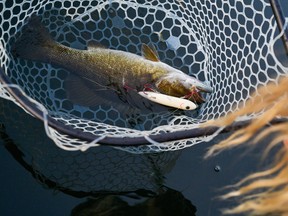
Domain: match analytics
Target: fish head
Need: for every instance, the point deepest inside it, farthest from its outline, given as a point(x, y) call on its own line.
point(179, 84)
point(192, 83)
point(188, 82)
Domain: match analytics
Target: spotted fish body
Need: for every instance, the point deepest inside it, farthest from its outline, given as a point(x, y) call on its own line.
point(107, 67)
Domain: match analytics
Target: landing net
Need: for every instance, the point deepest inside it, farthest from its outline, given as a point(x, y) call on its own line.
point(230, 44)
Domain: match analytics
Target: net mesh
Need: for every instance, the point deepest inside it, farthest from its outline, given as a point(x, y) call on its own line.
point(99, 170)
point(230, 44)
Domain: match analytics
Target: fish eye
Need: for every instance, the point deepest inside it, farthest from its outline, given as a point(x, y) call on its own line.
point(187, 107)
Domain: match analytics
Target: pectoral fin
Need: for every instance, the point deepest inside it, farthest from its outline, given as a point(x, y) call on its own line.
point(150, 53)
point(86, 93)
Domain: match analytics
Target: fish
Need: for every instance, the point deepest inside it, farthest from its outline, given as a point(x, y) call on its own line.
point(171, 101)
point(98, 70)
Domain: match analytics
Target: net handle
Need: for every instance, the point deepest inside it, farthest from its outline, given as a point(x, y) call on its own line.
point(280, 19)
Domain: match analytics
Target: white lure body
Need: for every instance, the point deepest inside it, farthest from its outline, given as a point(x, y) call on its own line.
point(171, 101)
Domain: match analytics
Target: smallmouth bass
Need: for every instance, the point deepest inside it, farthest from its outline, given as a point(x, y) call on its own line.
point(99, 67)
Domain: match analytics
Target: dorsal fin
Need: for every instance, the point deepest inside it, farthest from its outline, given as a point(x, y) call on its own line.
point(149, 52)
point(92, 45)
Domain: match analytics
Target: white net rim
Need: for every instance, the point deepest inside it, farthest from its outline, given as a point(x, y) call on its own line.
point(29, 105)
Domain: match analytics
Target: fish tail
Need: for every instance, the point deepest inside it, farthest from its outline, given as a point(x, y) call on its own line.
point(34, 41)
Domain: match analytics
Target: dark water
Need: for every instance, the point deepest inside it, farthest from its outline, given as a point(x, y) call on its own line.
point(38, 178)
point(179, 183)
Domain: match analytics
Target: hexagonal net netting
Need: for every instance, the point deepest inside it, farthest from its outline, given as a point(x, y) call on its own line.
point(229, 44)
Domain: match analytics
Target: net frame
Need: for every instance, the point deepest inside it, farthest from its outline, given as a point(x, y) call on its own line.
point(33, 107)
point(59, 131)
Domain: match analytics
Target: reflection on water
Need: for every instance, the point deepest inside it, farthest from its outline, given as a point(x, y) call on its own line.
point(168, 203)
point(98, 169)
point(165, 202)
point(128, 182)
point(110, 176)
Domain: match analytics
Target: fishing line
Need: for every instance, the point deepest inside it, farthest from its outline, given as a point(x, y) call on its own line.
point(105, 88)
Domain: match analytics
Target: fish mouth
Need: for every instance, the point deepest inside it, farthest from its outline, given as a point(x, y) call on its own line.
point(206, 89)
